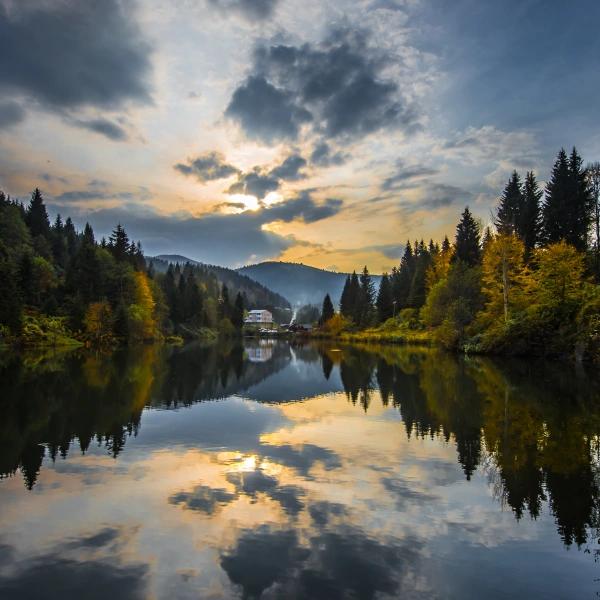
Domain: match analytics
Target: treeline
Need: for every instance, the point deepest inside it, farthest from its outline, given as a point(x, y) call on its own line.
point(58, 283)
point(527, 285)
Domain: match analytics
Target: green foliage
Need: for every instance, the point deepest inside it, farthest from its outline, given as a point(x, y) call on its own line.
point(328, 311)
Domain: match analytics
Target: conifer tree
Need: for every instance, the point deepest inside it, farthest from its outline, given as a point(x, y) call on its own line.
point(508, 215)
point(466, 244)
point(566, 212)
point(385, 299)
point(366, 297)
point(529, 222)
point(327, 311)
point(37, 216)
point(422, 261)
point(119, 244)
point(402, 278)
point(345, 308)
point(237, 315)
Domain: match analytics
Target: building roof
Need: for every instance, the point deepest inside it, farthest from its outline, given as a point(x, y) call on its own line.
point(258, 311)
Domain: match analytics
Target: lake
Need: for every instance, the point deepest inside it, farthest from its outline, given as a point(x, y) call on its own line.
point(282, 470)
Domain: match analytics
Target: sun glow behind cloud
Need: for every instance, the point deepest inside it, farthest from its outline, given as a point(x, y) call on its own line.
point(370, 112)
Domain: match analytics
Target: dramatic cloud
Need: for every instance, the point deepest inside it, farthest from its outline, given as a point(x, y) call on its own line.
point(266, 112)
point(337, 85)
point(224, 239)
point(252, 10)
point(207, 167)
point(104, 127)
point(73, 54)
point(322, 156)
point(11, 114)
point(254, 184)
point(290, 168)
point(259, 182)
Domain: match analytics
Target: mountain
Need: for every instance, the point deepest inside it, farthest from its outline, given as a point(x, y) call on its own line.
point(299, 283)
point(257, 294)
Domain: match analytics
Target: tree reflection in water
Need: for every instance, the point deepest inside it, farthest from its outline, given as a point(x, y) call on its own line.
point(532, 428)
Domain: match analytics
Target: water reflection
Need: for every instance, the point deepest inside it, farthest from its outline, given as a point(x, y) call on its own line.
point(278, 470)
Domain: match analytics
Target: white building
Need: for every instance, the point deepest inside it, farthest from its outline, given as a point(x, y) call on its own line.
point(259, 316)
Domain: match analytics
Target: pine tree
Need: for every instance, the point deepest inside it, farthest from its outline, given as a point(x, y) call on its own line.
point(509, 211)
point(327, 311)
point(237, 315)
point(37, 216)
point(466, 244)
point(385, 299)
point(566, 212)
point(583, 202)
point(119, 244)
point(416, 297)
point(224, 304)
point(345, 308)
point(366, 297)
point(402, 278)
point(529, 225)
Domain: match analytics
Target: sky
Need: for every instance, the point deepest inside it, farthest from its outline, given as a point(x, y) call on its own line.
point(327, 133)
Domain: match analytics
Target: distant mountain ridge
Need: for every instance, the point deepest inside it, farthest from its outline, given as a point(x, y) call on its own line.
point(257, 294)
point(300, 284)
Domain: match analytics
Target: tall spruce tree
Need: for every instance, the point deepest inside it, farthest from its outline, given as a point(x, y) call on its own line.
point(567, 208)
point(416, 297)
point(366, 298)
point(510, 208)
point(529, 226)
point(37, 216)
point(467, 247)
point(402, 278)
point(119, 244)
point(327, 311)
point(345, 308)
point(237, 314)
point(385, 299)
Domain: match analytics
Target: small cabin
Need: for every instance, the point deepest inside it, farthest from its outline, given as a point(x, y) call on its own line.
point(259, 316)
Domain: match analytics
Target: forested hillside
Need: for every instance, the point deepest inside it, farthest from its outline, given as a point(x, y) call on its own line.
point(60, 285)
point(529, 285)
point(256, 295)
point(300, 284)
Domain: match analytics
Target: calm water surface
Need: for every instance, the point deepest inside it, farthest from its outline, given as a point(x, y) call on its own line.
point(297, 471)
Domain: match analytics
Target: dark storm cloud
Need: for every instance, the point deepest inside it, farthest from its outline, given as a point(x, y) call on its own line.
point(254, 184)
point(304, 207)
point(322, 156)
point(266, 112)
point(337, 85)
point(217, 238)
point(74, 53)
point(290, 168)
point(11, 114)
point(104, 127)
point(252, 10)
point(259, 182)
point(207, 167)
